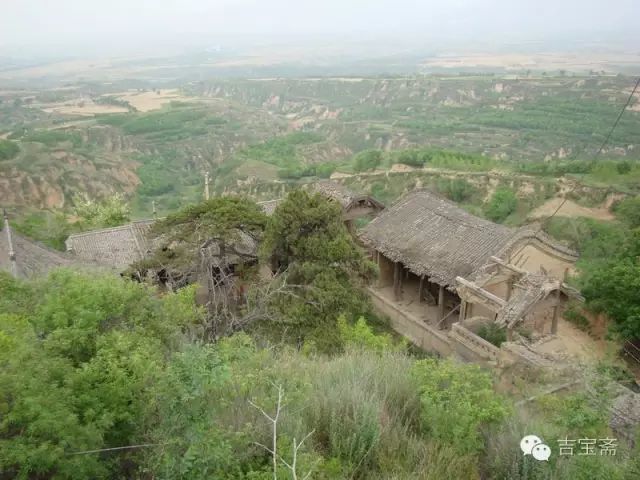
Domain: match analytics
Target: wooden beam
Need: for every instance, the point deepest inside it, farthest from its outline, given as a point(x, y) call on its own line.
point(441, 303)
point(453, 310)
point(420, 288)
point(487, 298)
point(508, 266)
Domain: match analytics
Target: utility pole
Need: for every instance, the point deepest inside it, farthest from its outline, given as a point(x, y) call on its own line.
point(206, 185)
point(12, 253)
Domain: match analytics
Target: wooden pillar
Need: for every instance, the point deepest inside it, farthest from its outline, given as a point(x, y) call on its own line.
point(509, 288)
point(556, 306)
point(556, 312)
point(463, 311)
point(397, 280)
point(350, 227)
point(441, 303)
point(509, 334)
point(420, 288)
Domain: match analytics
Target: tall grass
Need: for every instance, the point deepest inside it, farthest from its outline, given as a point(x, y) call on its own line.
point(365, 410)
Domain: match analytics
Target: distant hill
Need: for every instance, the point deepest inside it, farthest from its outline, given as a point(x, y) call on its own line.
point(248, 131)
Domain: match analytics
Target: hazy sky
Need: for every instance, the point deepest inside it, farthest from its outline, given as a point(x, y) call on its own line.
point(113, 23)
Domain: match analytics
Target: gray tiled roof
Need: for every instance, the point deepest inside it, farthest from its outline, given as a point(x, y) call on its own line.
point(116, 247)
point(433, 236)
point(32, 258)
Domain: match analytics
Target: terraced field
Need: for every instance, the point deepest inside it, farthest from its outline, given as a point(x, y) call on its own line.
point(160, 140)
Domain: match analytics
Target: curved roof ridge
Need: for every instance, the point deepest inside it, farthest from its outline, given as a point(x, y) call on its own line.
point(105, 230)
point(544, 238)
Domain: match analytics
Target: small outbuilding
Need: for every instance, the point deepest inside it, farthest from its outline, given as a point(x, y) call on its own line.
point(354, 205)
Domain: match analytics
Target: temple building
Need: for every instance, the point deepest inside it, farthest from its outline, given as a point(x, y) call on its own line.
point(440, 266)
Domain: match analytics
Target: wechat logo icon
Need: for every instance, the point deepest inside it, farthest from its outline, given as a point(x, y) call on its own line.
point(532, 445)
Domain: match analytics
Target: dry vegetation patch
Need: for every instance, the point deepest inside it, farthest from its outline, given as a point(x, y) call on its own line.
point(153, 99)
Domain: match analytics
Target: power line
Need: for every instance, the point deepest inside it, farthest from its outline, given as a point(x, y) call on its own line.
point(113, 449)
point(606, 140)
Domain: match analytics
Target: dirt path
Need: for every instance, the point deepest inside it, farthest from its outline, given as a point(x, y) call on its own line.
point(575, 343)
point(570, 209)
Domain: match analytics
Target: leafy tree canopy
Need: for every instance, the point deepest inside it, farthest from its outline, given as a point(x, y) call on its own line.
point(222, 218)
point(76, 364)
point(502, 204)
point(309, 229)
point(110, 212)
point(614, 288)
point(308, 241)
point(218, 217)
point(628, 210)
point(367, 160)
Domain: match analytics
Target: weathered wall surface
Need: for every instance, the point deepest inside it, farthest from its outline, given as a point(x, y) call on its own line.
point(420, 334)
point(471, 347)
point(531, 257)
point(540, 318)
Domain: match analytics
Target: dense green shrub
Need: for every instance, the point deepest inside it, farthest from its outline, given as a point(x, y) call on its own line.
point(493, 334)
point(91, 362)
point(367, 160)
point(628, 210)
point(109, 212)
point(413, 158)
point(575, 316)
point(360, 335)
point(457, 400)
point(502, 204)
point(8, 149)
point(457, 189)
point(77, 363)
